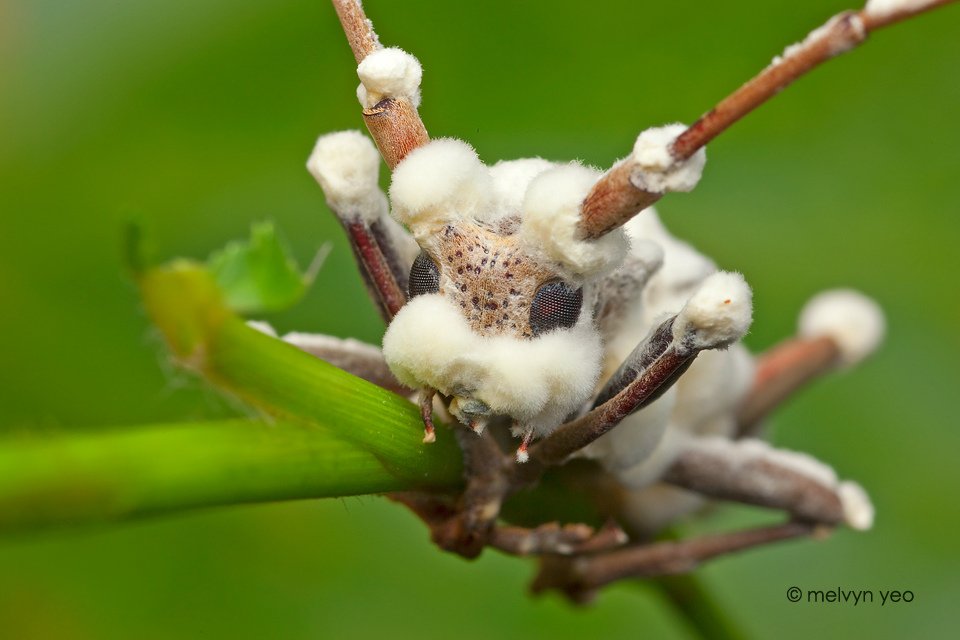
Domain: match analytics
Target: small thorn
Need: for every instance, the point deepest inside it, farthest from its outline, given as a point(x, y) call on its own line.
point(426, 414)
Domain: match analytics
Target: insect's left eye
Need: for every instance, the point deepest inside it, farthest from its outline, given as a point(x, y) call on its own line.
point(424, 276)
point(555, 305)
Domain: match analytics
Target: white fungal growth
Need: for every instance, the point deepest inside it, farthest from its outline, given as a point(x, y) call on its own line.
point(857, 509)
point(627, 450)
point(854, 322)
point(441, 181)
point(389, 73)
point(838, 41)
point(884, 8)
point(347, 166)
point(262, 327)
point(551, 217)
point(511, 178)
point(712, 389)
point(718, 314)
point(657, 170)
point(537, 382)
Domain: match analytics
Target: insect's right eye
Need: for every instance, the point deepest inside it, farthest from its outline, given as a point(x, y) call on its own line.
point(424, 276)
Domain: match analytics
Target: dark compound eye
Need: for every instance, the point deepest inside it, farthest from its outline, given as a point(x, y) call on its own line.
point(424, 276)
point(555, 305)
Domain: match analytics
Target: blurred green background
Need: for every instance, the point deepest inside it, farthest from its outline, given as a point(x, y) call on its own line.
point(197, 117)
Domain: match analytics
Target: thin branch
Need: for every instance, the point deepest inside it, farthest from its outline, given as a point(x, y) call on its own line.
point(781, 372)
point(579, 577)
point(616, 198)
point(393, 122)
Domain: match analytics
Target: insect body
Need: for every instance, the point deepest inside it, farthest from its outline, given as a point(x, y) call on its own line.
point(549, 296)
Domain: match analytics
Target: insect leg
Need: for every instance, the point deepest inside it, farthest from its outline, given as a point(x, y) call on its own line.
point(753, 472)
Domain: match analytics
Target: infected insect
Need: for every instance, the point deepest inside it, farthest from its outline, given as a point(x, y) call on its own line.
point(547, 299)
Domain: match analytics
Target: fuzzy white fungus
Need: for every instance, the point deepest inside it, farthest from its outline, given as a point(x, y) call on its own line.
point(657, 170)
point(854, 322)
point(347, 166)
point(537, 381)
point(441, 181)
point(719, 312)
point(883, 8)
point(389, 73)
point(511, 178)
point(856, 505)
point(551, 215)
point(857, 509)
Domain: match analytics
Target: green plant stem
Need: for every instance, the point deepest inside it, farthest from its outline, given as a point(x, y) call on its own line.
point(115, 474)
point(693, 603)
point(326, 432)
point(282, 381)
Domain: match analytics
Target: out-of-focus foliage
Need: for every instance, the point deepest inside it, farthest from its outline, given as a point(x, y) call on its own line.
point(198, 116)
point(258, 275)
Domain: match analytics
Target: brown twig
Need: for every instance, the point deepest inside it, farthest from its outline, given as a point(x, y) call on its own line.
point(579, 577)
point(393, 122)
point(615, 198)
point(781, 371)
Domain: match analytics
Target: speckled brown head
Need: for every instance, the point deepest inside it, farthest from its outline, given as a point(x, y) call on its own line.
point(498, 286)
point(501, 295)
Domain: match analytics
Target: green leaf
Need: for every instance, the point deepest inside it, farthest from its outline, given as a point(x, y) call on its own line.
point(259, 276)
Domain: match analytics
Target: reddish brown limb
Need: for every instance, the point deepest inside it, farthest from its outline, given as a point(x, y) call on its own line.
point(426, 414)
point(556, 539)
point(575, 435)
point(547, 538)
point(464, 525)
point(781, 371)
point(396, 128)
point(394, 123)
point(380, 279)
point(660, 361)
point(615, 198)
point(362, 38)
point(840, 34)
point(579, 577)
